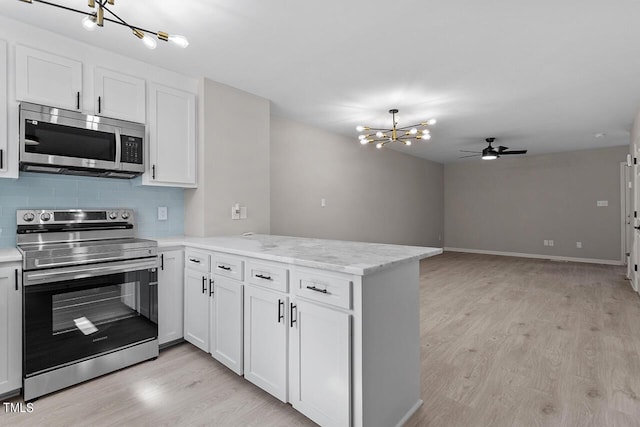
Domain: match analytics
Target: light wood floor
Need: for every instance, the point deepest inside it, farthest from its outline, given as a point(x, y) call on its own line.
point(505, 342)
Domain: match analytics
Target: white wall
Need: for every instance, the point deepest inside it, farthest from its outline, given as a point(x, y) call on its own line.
point(233, 164)
point(514, 204)
point(371, 195)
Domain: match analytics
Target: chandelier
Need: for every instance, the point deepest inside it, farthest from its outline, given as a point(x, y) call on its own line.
point(96, 18)
point(403, 134)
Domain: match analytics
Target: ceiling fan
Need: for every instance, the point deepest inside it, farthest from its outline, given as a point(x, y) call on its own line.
point(491, 153)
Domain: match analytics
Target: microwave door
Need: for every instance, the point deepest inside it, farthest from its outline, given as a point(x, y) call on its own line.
point(62, 141)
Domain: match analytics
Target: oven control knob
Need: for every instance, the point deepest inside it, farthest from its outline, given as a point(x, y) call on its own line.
point(125, 215)
point(29, 216)
point(113, 215)
point(45, 216)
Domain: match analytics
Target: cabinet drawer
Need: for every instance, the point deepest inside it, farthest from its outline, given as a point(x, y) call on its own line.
point(227, 265)
point(196, 260)
point(268, 275)
point(329, 289)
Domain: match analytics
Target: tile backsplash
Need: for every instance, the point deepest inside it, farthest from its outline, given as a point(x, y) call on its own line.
point(44, 191)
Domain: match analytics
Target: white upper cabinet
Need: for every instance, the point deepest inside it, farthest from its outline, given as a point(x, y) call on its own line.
point(52, 80)
point(119, 96)
point(4, 157)
point(172, 137)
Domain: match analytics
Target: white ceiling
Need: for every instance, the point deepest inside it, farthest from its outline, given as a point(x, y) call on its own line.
point(542, 75)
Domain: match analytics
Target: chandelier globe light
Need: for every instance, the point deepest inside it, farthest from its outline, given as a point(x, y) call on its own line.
point(402, 134)
point(96, 16)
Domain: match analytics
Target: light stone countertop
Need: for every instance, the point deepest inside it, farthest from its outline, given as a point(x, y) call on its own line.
point(10, 255)
point(334, 255)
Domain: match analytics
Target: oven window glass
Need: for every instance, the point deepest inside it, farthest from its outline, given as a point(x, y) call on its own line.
point(88, 310)
point(72, 320)
point(67, 141)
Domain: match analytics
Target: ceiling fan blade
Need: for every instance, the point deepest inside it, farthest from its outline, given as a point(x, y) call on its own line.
point(473, 155)
point(467, 151)
point(502, 148)
point(514, 152)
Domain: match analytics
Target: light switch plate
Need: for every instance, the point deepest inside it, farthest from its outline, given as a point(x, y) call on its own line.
point(163, 213)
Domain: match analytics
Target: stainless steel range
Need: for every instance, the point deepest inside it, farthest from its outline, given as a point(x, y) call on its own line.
point(90, 296)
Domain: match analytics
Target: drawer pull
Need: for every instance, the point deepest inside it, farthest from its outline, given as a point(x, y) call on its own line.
point(313, 288)
point(224, 267)
point(204, 284)
point(211, 283)
point(260, 276)
point(197, 261)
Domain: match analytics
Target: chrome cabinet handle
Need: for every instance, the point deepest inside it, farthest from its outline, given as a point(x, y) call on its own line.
point(313, 288)
point(260, 276)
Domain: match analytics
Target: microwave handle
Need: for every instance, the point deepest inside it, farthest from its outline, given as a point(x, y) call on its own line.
point(118, 148)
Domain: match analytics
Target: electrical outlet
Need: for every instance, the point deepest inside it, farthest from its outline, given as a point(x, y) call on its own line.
point(601, 203)
point(546, 243)
point(579, 245)
point(235, 211)
point(163, 213)
point(550, 242)
point(243, 212)
point(323, 203)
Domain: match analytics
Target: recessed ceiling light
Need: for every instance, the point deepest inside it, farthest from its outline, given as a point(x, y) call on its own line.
point(600, 134)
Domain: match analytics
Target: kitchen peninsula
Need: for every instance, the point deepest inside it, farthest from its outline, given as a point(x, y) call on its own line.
point(331, 327)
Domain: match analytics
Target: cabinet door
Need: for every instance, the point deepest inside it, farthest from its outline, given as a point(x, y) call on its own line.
point(10, 329)
point(48, 79)
point(320, 364)
point(170, 297)
point(196, 308)
point(119, 96)
point(226, 323)
point(265, 340)
point(4, 120)
point(172, 137)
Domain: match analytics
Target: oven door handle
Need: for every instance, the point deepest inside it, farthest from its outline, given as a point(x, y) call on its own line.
point(73, 273)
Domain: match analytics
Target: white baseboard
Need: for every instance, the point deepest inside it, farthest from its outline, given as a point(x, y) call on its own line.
point(537, 256)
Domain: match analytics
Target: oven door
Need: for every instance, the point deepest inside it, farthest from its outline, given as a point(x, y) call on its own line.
point(76, 313)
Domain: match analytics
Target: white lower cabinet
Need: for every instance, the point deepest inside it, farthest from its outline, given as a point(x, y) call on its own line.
point(226, 322)
point(320, 363)
point(10, 328)
point(265, 340)
point(196, 308)
point(170, 296)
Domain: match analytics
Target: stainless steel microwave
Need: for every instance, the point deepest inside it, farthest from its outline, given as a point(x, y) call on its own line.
point(53, 140)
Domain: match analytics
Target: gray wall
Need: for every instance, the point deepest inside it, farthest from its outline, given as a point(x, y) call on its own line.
point(233, 164)
point(513, 204)
point(371, 195)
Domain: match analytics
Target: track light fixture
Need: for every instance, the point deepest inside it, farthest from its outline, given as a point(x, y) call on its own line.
point(402, 134)
point(96, 18)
